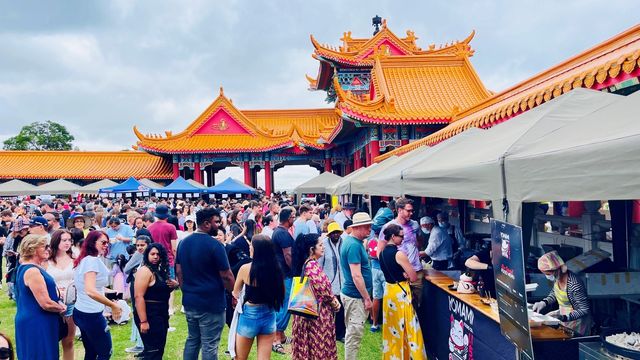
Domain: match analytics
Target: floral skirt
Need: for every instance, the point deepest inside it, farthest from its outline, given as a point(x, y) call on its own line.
point(401, 334)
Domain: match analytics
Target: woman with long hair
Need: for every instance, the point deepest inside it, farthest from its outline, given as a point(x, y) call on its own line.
point(406, 341)
point(314, 339)
point(38, 310)
point(60, 267)
point(152, 289)
point(91, 277)
point(263, 282)
point(77, 237)
point(234, 223)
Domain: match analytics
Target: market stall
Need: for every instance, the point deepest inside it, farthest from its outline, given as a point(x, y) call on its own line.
point(94, 187)
point(57, 187)
point(317, 185)
point(15, 187)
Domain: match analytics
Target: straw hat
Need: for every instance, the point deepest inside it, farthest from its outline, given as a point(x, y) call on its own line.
point(360, 219)
point(550, 261)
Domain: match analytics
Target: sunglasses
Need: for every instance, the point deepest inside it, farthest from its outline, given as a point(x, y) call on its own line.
point(400, 236)
point(103, 242)
point(141, 245)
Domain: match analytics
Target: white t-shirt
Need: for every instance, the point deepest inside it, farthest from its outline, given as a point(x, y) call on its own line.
point(90, 264)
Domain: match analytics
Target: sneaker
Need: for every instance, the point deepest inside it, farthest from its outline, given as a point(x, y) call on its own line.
point(134, 350)
point(374, 328)
point(171, 329)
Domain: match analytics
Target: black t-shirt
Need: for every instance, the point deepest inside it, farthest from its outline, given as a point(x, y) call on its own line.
point(201, 259)
point(281, 240)
point(238, 254)
point(392, 271)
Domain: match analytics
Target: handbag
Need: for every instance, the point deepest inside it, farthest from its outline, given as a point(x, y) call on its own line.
point(302, 301)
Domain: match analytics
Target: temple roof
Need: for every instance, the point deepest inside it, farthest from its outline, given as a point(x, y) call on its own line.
point(606, 64)
point(416, 89)
point(82, 165)
point(222, 128)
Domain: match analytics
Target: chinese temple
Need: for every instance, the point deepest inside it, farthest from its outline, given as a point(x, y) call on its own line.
point(387, 96)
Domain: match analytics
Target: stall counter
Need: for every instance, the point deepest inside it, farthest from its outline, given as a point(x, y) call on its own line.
point(460, 326)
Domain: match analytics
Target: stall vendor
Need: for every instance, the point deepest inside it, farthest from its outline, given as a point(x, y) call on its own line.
point(568, 292)
point(481, 263)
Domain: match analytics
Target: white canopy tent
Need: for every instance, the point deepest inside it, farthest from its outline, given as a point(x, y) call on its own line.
point(94, 187)
point(57, 187)
point(595, 158)
point(359, 182)
point(342, 186)
point(318, 184)
point(196, 184)
point(16, 187)
point(388, 182)
point(473, 169)
point(150, 184)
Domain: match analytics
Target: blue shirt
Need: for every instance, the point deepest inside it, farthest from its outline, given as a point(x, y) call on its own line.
point(353, 252)
point(94, 264)
point(300, 227)
point(117, 246)
point(201, 258)
point(439, 247)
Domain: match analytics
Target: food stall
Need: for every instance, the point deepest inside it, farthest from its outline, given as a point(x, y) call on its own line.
point(462, 326)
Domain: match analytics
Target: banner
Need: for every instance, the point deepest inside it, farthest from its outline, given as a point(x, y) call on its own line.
point(508, 269)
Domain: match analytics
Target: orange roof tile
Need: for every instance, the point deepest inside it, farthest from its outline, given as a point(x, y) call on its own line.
point(417, 89)
point(82, 165)
point(224, 128)
point(606, 64)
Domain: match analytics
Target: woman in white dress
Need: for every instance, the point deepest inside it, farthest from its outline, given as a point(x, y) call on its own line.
point(60, 267)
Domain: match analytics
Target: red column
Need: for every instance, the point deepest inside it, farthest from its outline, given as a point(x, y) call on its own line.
point(374, 149)
point(327, 165)
point(267, 178)
point(347, 168)
point(247, 173)
point(404, 142)
point(197, 172)
point(176, 171)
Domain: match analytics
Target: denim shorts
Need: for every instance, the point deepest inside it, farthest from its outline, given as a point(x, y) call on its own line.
point(378, 283)
point(69, 311)
point(256, 320)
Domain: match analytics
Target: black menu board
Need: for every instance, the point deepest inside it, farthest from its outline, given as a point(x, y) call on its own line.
point(508, 269)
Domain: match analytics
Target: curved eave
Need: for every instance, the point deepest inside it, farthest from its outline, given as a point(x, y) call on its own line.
point(284, 145)
point(395, 120)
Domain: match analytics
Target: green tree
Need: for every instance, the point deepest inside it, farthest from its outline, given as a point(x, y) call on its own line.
point(46, 135)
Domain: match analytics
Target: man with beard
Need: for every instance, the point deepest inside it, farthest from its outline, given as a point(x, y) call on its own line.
point(203, 272)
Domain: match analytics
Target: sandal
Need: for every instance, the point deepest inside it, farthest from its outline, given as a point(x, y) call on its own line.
point(288, 340)
point(278, 349)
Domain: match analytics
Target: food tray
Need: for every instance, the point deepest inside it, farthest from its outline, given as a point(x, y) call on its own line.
point(615, 349)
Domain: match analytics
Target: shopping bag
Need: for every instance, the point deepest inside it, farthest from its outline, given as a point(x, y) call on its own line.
point(302, 301)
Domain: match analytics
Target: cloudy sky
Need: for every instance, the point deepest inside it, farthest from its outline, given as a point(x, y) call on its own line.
point(101, 67)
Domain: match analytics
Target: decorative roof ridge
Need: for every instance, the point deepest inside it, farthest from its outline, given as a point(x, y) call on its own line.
point(70, 152)
point(617, 41)
point(423, 59)
point(346, 98)
point(287, 111)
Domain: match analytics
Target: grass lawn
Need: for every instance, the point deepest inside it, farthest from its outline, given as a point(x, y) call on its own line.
point(370, 349)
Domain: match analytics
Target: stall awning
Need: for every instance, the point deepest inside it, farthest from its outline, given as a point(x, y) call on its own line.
point(16, 187)
point(129, 186)
point(471, 169)
point(317, 185)
point(93, 188)
point(595, 158)
point(57, 187)
point(180, 186)
point(231, 186)
point(343, 186)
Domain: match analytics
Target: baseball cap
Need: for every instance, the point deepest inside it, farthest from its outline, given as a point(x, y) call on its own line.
point(20, 224)
point(38, 220)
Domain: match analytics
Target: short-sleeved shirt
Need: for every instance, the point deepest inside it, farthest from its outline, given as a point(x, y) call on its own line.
point(119, 247)
point(281, 240)
point(353, 252)
point(90, 264)
point(409, 244)
point(162, 233)
point(300, 226)
point(201, 259)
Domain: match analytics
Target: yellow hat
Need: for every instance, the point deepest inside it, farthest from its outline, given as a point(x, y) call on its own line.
point(334, 226)
point(550, 261)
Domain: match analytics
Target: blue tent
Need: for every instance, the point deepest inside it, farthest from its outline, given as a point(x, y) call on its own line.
point(180, 186)
point(231, 186)
point(129, 186)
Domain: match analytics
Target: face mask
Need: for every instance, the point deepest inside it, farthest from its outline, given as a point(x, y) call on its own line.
point(443, 224)
point(425, 231)
point(551, 278)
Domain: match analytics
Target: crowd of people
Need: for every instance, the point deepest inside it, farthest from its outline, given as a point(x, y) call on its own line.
point(73, 264)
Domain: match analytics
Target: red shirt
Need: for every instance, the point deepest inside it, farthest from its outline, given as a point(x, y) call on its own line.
point(162, 233)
